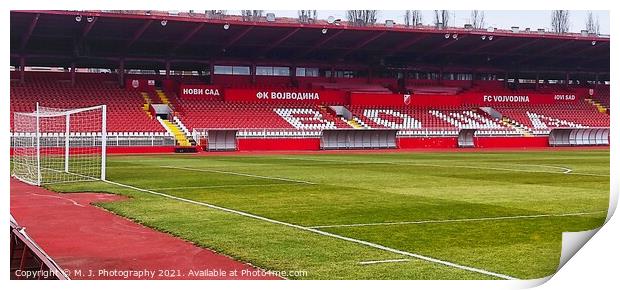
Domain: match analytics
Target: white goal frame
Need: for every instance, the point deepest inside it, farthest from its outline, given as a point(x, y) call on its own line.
point(42, 140)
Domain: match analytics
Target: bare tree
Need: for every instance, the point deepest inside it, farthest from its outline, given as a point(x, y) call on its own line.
point(560, 21)
point(306, 16)
point(477, 19)
point(442, 17)
point(413, 17)
point(252, 15)
point(362, 17)
point(592, 26)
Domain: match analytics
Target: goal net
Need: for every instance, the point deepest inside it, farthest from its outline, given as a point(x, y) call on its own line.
point(53, 145)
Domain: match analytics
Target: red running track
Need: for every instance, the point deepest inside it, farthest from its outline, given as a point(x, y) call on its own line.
point(82, 237)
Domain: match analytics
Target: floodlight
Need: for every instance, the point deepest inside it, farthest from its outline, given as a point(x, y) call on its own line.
point(324, 30)
point(226, 26)
point(164, 22)
point(78, 18)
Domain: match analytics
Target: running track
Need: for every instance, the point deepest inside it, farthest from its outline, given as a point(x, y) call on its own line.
point(80, 236)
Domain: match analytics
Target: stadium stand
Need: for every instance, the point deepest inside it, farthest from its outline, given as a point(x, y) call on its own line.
point(54, 90)
point(220, 114)
point(417, 118)
point(248, 66)
point(556, 115)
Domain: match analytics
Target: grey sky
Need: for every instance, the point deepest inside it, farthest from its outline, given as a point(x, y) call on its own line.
point(496, 18)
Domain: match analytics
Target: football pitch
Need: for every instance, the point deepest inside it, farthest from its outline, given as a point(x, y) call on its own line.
point(405, 215)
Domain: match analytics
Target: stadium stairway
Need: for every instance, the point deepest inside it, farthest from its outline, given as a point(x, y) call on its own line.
point(360, 122)
point(354, 122)
point(330, 114)
point(175, 129)
point(516, 126)
point(598, 105)
point(147, 103)
point(162, 96)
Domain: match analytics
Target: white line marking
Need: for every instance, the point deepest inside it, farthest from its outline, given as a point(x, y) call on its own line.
point(220, 186)
point(59, 197)
point(565, 170)
point(458, 220)
point(239, 174)
point(383, 261)
point(369, 244)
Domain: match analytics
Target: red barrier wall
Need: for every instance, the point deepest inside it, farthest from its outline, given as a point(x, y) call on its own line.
point(399, 100)
point(474, 98)
point(139, 84)
point(170, 85)
point(279, 144)
point(231, 80)
point(139, 149)
point(481, 142)
point(126, 150)
point(427, 142)
point(199, 92)
point(517, 98)
point(511, 142)
point(286, 95)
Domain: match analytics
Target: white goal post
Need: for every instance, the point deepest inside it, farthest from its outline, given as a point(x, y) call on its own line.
point(52, 145)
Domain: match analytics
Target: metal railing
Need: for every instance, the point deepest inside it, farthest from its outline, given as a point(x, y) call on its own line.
point(58, 140)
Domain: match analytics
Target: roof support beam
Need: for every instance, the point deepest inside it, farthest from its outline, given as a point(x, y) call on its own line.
point(236, 38)
point(280, 41)
point(407, 44)
point(28, 34)
point(320, 43)
point(363, 43)
point(520, 46)
point(137, 34)
point(590, 47)
point(187, 37)
point(80, 41)
point(87, 28)
point(487, 44)
point(449, 42)
point(547, 51)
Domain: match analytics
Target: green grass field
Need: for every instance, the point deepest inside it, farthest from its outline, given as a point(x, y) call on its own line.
point(501, 212)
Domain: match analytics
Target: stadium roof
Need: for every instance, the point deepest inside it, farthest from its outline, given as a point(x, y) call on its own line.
point(191, 41)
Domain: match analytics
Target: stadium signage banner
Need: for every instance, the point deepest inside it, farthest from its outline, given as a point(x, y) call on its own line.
point(506, 99)
point(430, 100)
point(399, 100)
point(535, 99)
point(285, 95)
point(194, 91)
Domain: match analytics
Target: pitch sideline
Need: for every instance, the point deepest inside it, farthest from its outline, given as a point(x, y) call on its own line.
point(316, 231)
point(457, 220)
